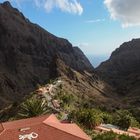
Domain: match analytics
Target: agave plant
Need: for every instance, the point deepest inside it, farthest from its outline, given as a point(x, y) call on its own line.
point(33, 107)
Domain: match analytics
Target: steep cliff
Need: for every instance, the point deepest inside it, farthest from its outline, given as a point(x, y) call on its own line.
point(122, 70)
point(29, 55)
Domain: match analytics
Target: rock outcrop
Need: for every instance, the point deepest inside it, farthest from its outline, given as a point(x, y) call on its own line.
point(122, 70)
point(29, 55)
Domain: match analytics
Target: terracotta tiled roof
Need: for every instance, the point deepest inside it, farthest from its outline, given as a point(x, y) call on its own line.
point(24, 122)
point(1, 128)
point(72, 129)
point(134, 130)
point(46, 127)
point(51, 119)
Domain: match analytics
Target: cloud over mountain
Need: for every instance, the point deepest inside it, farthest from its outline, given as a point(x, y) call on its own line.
point(126, 11)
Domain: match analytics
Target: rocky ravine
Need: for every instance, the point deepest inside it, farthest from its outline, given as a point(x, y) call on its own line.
point(122, 71)
point(29, 55)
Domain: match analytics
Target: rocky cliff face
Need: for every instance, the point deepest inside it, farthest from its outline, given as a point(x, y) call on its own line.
point(122, 70)
point(29, 55)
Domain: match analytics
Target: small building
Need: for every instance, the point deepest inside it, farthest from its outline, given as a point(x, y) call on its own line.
point(106, 127)
point(135, 132)
point(46, 127)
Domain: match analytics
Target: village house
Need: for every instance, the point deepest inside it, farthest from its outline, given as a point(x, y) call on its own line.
point(135, 132)
point(46, 127)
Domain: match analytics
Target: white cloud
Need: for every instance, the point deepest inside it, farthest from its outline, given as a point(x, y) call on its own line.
point(83, 45)
point(95, 20)
point(37, 3)
point(69, 6)
point(126, 11)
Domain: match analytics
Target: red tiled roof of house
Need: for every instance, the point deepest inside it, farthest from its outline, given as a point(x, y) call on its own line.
point(102, 128)
point(51, 119)
point(24, 122)
point(134, 130)
point(72, 129)
point(46, 127)
point(1, 128)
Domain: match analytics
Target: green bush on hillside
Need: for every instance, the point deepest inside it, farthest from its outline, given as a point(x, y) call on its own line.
point(111, 136)
point(122, 118)
point(125, 137)
point(32, 107)
point(105, 136)
point(89, 118)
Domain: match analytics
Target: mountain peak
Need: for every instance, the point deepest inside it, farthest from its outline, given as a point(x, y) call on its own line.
point(29, 55)
point(7, 4)
point(122, 70)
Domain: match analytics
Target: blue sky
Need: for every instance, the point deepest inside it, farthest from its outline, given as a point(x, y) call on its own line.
point(96, 26)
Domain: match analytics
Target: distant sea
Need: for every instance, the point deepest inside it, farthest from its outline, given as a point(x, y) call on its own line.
point(96, 60)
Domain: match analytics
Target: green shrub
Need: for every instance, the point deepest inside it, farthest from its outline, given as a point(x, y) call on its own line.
point(32, 107)
point(105, 136)
point(111, 136)
point(122, 118)
point(89, 118)
point(107, 118)
point(125, 137)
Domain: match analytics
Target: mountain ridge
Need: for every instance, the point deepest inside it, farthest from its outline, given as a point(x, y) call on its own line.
point(122, 70)
point(27, 52)
point(31, 56)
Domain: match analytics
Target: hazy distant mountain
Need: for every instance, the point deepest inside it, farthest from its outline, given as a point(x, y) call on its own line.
point(96, 60)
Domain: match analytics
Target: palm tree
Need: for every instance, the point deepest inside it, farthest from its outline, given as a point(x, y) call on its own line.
point(122, 119)
point(32, 107)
